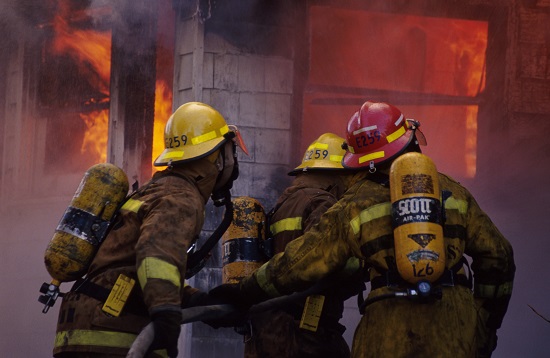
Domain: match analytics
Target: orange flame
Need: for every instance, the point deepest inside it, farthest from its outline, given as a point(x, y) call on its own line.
point(95, 141)
point(469, 48)
point(163, 110)
point(92, 52)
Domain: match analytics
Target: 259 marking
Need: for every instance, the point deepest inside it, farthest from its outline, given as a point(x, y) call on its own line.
point(315, 154)
point(176, 142)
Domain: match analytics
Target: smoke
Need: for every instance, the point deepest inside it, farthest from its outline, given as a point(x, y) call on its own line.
point(22, 18)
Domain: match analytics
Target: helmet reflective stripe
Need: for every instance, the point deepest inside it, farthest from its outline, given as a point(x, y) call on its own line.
point(365, 129)
point(398, 121)
point(318, 146)
point(288, 224)
point(336, 158)
point(210, 135)
point(372, 156)
point(152, 267)
point(397, 134)
point(173, 154)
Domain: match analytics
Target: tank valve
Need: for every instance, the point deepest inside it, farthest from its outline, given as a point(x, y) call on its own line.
point(50, 294)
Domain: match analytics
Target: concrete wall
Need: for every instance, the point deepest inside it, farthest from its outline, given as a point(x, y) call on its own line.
point(254, 92)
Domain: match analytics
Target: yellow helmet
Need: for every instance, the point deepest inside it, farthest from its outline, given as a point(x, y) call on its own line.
point(193, 131)
point(324, 153)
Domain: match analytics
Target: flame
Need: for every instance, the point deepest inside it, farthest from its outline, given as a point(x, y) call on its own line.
point(401, 53)
point(91, 50)
point(468, 47)
point(95, 140)
point(163, 110)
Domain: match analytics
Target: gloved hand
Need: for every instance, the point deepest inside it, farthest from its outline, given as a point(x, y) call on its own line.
point(241, 295)
point(236, 318)
point(486, 348)
point(167, 331)
point(231, 293)
point(201, 298)
point(486, 336)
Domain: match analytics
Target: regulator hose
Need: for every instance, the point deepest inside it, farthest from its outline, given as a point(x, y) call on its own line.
point(197, 259)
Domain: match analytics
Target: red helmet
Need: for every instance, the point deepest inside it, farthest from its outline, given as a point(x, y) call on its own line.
point(378, 133)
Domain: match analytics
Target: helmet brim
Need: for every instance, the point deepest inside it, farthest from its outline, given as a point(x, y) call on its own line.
point(317, 168)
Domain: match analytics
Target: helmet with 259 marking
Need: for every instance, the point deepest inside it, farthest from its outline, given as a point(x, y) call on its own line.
point(377, 134)
point(324, 153)
point(195, 130)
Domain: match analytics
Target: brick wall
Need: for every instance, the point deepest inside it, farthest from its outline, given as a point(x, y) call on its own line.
point(252, 90)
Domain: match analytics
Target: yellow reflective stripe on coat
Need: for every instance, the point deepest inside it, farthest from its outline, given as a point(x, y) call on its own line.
point(353, 264)
point(132, 205)
point(152, 267)
point(493, 291)
point(369, 214)
point(98, 338)
point(94, 338)
point(263, 282)
point(456, 204)
point(287, 224)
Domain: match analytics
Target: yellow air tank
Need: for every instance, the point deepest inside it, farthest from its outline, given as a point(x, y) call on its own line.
point(243, 240)
point(417, 218)
point(85, 222)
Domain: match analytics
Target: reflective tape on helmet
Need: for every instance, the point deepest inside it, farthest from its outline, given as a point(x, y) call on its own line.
point(210, 135)
point(173, 154)
point(318, 146)
point(395, 135)
point(399, 120)
point(371, 156)
point(132, 205)
point(152, 267)
point(336, 158)
point(365, 129)
point(369, 214)
point(288, 224)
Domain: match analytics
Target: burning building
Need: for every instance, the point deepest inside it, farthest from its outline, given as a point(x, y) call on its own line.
point(84, 82)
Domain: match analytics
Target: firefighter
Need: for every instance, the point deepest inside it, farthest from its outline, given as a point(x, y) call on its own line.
point(140, 267)
point(296, 330)
point(432, 319)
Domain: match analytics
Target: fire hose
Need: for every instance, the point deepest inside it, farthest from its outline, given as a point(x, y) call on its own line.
point(217, 312)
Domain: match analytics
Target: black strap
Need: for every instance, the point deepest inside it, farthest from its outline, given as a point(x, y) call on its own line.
point(449, 278)
point(85, 286)
point(380, 178)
